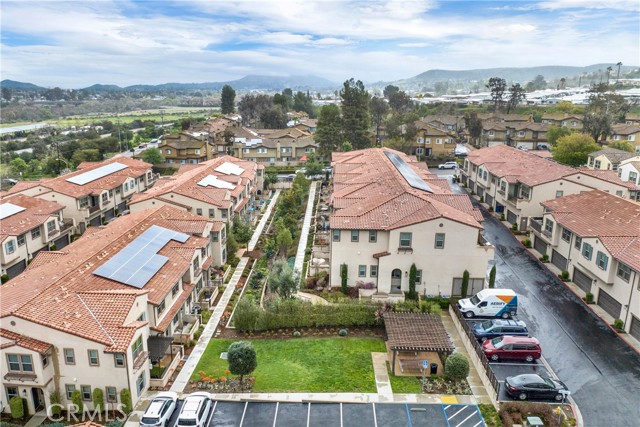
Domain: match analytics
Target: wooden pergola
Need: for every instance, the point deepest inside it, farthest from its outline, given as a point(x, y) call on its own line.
point(417, 333)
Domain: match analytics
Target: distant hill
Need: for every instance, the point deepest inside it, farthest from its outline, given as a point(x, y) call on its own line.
point(12, 84)
point(103, 88)
point(516, 75)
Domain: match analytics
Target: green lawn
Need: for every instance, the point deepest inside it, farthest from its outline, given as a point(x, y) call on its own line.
point(403, 385)
point(304, 364)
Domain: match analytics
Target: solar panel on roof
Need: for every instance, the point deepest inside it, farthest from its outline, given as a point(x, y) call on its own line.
point(229, 169)
point(407, 173)
point(101, 172)
point(137, 262)
point(214, 181)
point(8, 209)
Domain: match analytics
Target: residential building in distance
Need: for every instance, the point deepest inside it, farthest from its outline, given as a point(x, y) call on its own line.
point(29, 225)
point(432, 141)
point(220, 189)
point(103, 311)
point(632, 119)
point(515, 182)
point(527, 135)
point(389, 212)
point(185, 148)
point(279, 147)
point(630, 172)
point(494, 133)
point(595, 236)
point(95, 193)
point(571, 121)
point(626, 133)
point(610, 158)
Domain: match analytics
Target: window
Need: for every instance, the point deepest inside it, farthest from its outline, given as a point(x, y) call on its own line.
point(140, 383)
point(214, 236)
point(20, 362)
point(427, 140)
point(69, 388)
point(616, 137)
point(197, 151)
point(405, 240)
point(578, 243)
point(491, 133)
point(574, 123)
point(212, 213)
point(167, 151)
point(521, 133)
point(21, 239)
point(438, 141)
point(419, 151)
point(118, 360)
point(524, 192)
point(262, 151)
point(35, 233)
point(602, 261)
point(224, 213)
point(105, 197)
point(418, 276)
point(51, 226)
point(419, 140)
point(336, 235)
point(86, 392)
point(136, 347)
point(362, 271)
point(84, 202)
point(624, 272)
point(10, 247)
point(355, 235)
point(632, 178)
point(93, 358)
point(587, 250)
point(619, 193)
point(566, 235)
point(12, 392)
point(199, 211)
point(45, 360)
point(439, 241)
point(559, 193)
point(484, 175)
point(373, 271)
point(548, 225)
point(161, 307)
point(112, 394)
point(69, 356)
point(631, 138)
point(373, 236)
point(174, 290)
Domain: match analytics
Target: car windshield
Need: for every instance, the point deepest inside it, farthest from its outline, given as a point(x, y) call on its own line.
point(474, 300)
point(548, 382)
point(187, 422)
point(498, 342)
point(486, 324)
point(149, 420)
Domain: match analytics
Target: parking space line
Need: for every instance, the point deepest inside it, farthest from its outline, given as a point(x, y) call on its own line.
point(341, 425)
point(244, 412)
point(408, 415)
point(462, 422)
point(446, 417)
point(275, 416)
point(479, 423)
point(308, 413)
point(375, 419)
point(515, 364)
point(463, 408)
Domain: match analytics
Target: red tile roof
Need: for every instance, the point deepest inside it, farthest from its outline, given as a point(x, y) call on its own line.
point(36, 213)
point(177, 305)
point(23, 341)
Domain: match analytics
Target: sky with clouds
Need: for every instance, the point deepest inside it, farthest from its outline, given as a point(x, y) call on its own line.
point(77, 43)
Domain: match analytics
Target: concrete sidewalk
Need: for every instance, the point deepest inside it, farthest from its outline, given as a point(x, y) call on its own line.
point(306, 225)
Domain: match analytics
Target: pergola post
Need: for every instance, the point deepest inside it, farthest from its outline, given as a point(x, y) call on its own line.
point(393, 365)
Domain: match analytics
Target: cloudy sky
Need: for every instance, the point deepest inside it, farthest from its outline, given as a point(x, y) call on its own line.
point(79, 43)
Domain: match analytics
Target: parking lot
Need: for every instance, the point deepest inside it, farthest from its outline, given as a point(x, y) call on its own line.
point(509, 368)
point(292, 414)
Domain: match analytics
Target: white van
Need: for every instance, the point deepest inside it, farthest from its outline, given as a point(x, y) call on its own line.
point(491, 303)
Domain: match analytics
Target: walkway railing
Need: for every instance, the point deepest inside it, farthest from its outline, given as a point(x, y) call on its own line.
point(304, 233)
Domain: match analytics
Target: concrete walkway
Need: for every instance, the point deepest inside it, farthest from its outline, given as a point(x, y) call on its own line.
point(306, 224)
point(263, 221)
point(313, 299)
point(383, 383)
point(37, 419)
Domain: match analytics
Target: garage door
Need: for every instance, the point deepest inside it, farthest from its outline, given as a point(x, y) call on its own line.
point(540, 245)
point(609, 304)
point(95, 222)
point(15, 270)
point(122, 206)
point(635, 327)
point(582, 280)
point(110, 214)
point(480, 191)
point(61, 242)
point(472, 185)
point(489, 200)
point(558, 260)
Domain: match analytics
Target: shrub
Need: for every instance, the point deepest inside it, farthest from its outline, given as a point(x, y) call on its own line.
point(413, 275)
point(53, 248)
point(618, 325)
point(588, 298)
point(76, 398)
point(544, 258)
point(344, 274)
point(343, 332)
point(297, 334)
point(4, 278)
point(490, 209)
point(502, 218)
point(114, 423)
point(456, 367)
point(490, 415)
point(98, 399)
point(246, 316)
point(564, 276)
point(125, 400)
point(492, 277)
point(526, 243)
point(514, 227)
point(17, 407)
point(465, 284)
point(56, 409)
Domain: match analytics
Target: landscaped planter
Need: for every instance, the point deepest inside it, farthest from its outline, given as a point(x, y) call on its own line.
point(366, 293)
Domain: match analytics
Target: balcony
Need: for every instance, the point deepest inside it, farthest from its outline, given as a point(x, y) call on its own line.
point(65, 225)
point(93, 209)
point(536, 224)
point(547, 233)
point(21, 376)
point(405, 249)
point(139, 361)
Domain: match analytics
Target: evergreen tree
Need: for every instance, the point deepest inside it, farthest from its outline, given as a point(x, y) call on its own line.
point(329, 130)
point(227, 101)
point(355, 114)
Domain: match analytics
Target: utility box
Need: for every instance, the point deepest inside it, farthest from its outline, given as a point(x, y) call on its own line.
point(533, 422)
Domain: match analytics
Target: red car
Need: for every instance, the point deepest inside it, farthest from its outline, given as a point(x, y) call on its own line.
point(512, 347)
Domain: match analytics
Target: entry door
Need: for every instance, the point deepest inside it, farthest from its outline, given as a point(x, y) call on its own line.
point(396, 281)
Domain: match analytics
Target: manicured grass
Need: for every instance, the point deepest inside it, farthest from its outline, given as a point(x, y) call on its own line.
point(303, 364)
point(403, 385)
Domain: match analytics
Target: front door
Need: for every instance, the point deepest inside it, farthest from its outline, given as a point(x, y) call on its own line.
point(396, 281)
point(38, 398)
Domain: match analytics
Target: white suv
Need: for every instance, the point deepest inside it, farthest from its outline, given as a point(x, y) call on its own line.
point(195, 410)
point(160, 410)
point(448, 165)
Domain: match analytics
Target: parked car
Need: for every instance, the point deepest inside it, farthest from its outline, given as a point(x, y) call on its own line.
point(494, 328)
point(535, 386)
point(195, 410)
point(512, 347)
point(448, 165)
point(160, 410)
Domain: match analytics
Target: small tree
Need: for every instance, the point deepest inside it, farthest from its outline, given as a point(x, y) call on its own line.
point(76, 398)
point(98, 399)
point(152, 155)
point(282, 279)
point(242, 359)
point(574, 149)
point(492, 277)
point(344, 275)
point(413, 275)
point(17, 407)
point(56, 408)
point(125, 400)
point(465, 284)
point(456, 367)
point(246, 315)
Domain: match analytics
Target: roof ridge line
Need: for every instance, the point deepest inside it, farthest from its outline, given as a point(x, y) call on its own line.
point(95, 318)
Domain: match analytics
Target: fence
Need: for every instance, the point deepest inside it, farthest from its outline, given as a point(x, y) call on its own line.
point(472, 342)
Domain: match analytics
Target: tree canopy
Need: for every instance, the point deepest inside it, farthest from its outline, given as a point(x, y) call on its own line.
point(242, 358)
point(282, 279)
point(605, 107)
point(497, 86)
point(328, 134)
point(556, 132)
point(516, 96)
point(152, 155)
point(355, 114)
point(227, 100)
point(574, 149)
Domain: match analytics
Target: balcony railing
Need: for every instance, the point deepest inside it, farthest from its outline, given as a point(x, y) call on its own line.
point(405, 249)
point(65, 225)
point(93, 209)
point(547, 233)
point(20, 376)
point(536, 224)
point(140, 360)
